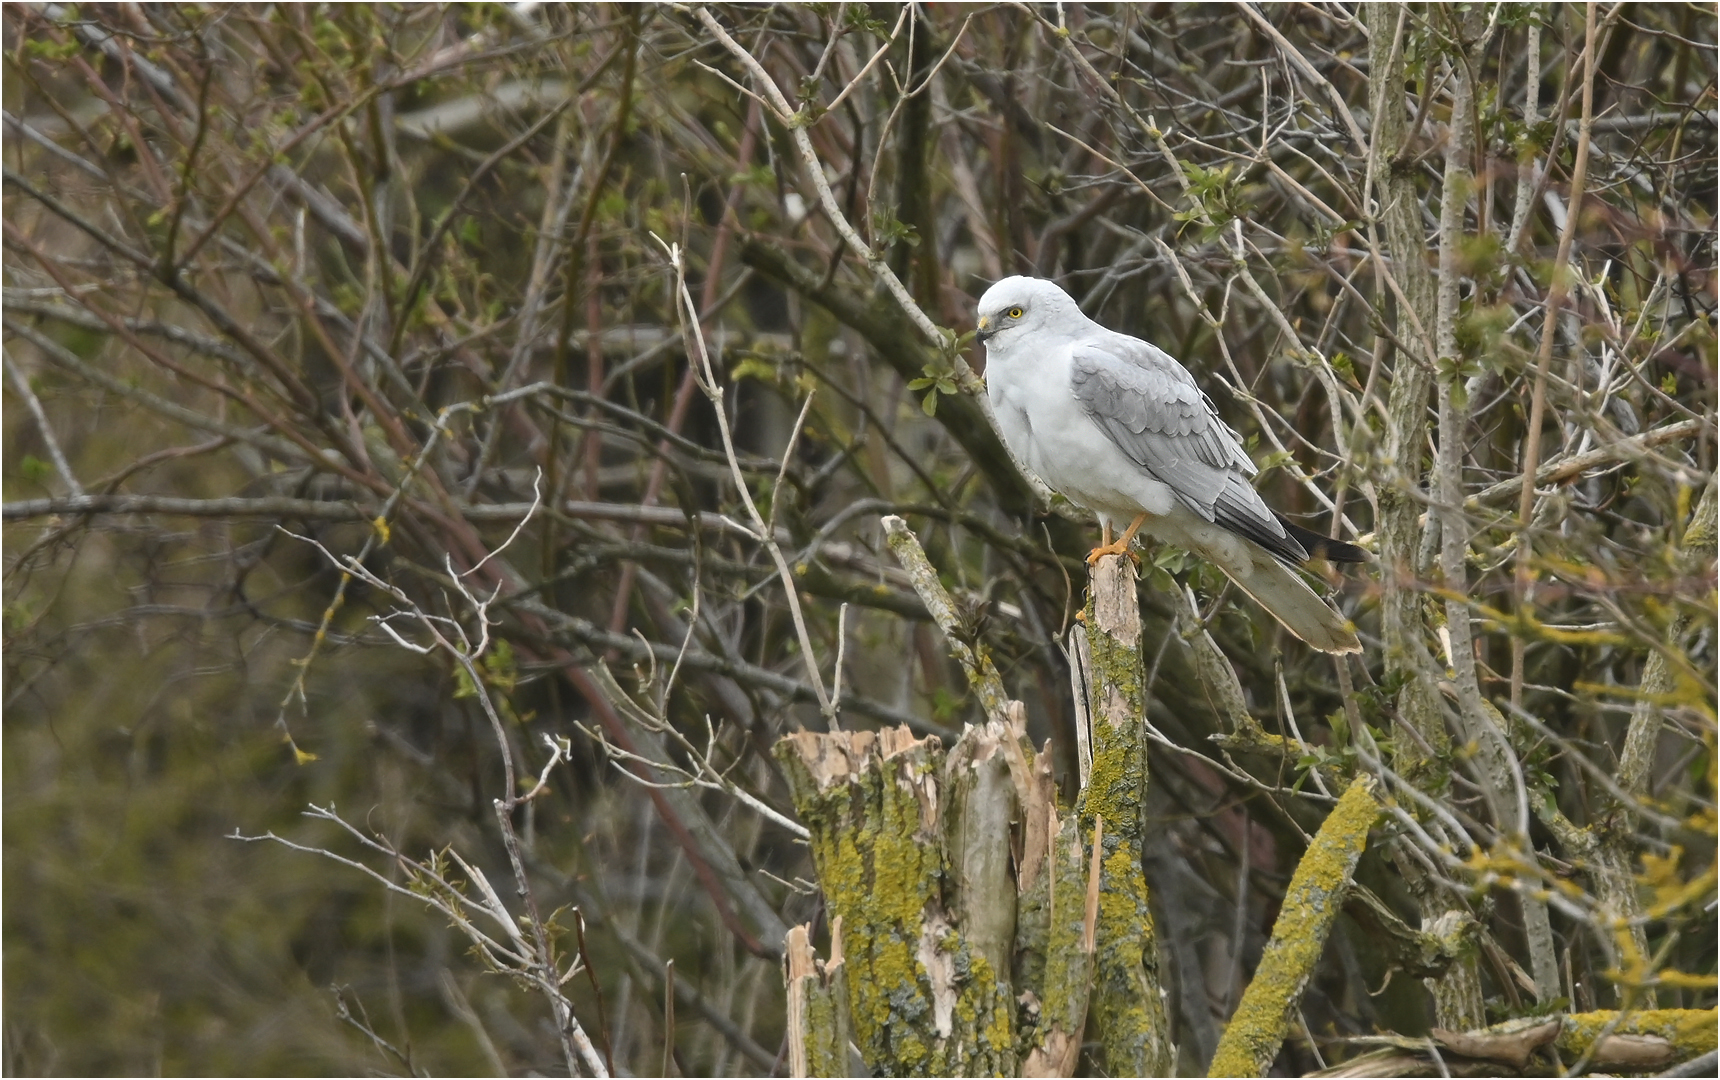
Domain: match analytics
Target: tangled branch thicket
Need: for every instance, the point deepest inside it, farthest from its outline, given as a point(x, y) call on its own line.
point(476, 423)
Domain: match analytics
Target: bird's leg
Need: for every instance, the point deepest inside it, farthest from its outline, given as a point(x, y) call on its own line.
point(1121, 546)
point(1134, 527)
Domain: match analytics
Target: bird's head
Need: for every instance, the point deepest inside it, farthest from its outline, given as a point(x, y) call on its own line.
point(1015, 305)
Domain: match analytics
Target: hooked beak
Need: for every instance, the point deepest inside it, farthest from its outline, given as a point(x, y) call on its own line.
point(982, 334)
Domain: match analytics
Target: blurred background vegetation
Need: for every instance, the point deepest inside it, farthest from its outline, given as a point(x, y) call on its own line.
point(268, 268)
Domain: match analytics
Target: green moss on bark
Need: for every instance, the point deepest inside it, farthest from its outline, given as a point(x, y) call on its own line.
point(921, 1001)
point(1050, 959)
point(1128, 1010)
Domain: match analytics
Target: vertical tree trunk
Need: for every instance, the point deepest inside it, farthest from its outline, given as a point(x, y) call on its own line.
point(1422, 751)
point(1133, 1028)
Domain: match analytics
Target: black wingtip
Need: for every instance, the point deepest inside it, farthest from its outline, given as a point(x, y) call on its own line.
point(1324, 547)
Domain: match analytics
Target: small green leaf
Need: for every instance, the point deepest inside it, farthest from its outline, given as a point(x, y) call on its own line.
point(35, 469)
point(755, 369)
point(1345, 368)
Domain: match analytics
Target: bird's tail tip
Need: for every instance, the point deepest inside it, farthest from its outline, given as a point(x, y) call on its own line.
point(1324, 636)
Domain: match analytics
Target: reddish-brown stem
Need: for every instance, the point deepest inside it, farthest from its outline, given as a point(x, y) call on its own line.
point(593, 357)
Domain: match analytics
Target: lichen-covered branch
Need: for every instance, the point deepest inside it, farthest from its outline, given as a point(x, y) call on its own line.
point(1311, 904)
point(1638, 1042)
point(981, 674)
point(1653, 1038)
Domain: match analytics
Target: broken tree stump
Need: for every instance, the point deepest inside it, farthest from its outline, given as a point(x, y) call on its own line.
point(976, 926)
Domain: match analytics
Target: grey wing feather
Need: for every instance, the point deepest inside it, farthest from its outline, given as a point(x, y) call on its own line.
point(1151, 407)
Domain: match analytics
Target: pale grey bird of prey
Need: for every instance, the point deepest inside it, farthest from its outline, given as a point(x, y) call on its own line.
point(1118, 426)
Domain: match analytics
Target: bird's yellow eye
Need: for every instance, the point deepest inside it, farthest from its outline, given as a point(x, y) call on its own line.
point(1015, 313)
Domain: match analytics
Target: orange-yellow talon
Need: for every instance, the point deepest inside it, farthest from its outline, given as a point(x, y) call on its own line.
point(1121, 546)
point(1107, 549)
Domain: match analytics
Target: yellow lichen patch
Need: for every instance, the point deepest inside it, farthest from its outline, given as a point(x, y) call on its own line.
point(1107, 788)
point(827, 1046)
point(1134, 1034)
point(889, 996)
point(1061, 980)
point(986, 1018)
point(1690, 1031)
point(1684, 980)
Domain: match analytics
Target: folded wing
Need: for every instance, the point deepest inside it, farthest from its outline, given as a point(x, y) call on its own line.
point(1149, 405)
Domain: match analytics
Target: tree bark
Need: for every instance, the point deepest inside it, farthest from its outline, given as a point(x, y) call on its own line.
point(1134, 1030)
point(922, 999)
point(975, 927)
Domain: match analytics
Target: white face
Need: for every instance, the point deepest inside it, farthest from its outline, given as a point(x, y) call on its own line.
point(1019, 302)
point(1001, 320)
